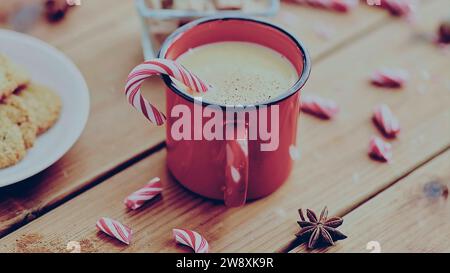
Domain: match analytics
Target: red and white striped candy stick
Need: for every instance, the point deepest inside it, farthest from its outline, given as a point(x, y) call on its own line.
point(390, 78)
point(320, 107)
point(115, 229)
point(405, 8)
point(380, 150)
point(386, 121)
point(335, 5)
point(192, 239)
point(148, 192)
point(157, 67)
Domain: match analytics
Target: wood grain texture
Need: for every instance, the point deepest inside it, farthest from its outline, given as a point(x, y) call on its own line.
point(406, 217)
point(334, 169)
point(102, 37)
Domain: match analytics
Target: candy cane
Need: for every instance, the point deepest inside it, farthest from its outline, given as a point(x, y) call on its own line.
point(386, 121)
point(148, 192)
point(380, 150)
point(115, 229)
point(390, 78)
point(335, 5)
point(320, 107)
point(158, 67)
point(192, 239)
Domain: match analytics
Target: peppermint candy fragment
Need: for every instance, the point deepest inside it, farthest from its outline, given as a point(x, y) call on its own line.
point(115, 229)
point(148, 192)
point(380, 150)
point(405, 8)
point(320, 107)
point(444, 32)
point(191, 239)
point(386, 122)
point(389, 78)
point(334, 5)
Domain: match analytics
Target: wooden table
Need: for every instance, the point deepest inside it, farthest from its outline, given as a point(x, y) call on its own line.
point(119, 151)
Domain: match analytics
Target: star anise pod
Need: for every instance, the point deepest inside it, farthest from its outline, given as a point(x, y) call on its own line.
point(319, 231)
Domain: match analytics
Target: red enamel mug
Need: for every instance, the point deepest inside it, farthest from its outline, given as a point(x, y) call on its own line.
point(233, 169)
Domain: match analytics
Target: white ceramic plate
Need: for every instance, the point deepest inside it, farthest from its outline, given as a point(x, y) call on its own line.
point(50, 67)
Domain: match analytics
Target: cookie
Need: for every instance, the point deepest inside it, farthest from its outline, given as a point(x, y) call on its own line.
point(7, 86)
point(12, 77)
point(43, 105)
point(16, 110)
point(12, 146)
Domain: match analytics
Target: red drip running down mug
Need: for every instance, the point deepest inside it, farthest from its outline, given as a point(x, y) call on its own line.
point(232, 169)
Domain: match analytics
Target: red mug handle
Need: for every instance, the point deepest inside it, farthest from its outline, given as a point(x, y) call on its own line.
point(236, 169)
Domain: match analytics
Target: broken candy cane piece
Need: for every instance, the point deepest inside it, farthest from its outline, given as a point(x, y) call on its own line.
point(380, 150)
point(399, 7)
point(390, 78)
point(444, 33)
point(192, 239)
point(334, 5)
point(386, 121)
point(148, 192)
point(320, 107)
point(115, 229)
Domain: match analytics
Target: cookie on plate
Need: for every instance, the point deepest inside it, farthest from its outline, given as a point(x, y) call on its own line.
point(43, 105)
point(14, 108)
point(12, 146)
point(7, 86)
point(12, 77)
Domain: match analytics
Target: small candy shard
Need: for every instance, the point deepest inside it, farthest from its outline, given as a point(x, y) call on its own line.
point(334, 5)
point(320, 107)
point(380, 150)
point(444, 32)
point(389, 78)
point(192, 239)
point(148, 192)
point(405, 8)
point(115, 229)
point(386, 121)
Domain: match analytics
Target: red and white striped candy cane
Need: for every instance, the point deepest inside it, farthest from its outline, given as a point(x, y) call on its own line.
point(157, 67)
point(115, 229)
point(386, 121)
point(320, 107)
point(192, 239)
point(148, 192)
point(390, 78)
point(335, 5)
point(380, 150)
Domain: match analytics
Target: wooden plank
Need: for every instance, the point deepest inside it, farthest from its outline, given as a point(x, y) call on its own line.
point(102, 37)
point(334, 169)
point(407, 217)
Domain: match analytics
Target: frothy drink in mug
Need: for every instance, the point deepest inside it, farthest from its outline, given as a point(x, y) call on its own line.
point(242, 73)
